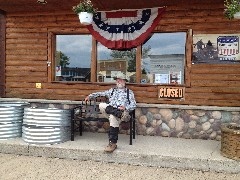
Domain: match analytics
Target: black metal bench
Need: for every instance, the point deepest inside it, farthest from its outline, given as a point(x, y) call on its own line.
point(89, 111)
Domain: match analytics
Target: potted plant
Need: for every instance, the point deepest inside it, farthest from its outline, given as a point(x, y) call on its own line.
point(85, 11)
point(232, 9)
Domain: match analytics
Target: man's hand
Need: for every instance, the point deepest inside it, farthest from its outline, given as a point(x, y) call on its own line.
point(121, 107)
point(86, 98)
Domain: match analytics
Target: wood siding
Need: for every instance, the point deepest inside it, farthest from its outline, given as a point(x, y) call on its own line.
point(27, 56)
point(2, 53)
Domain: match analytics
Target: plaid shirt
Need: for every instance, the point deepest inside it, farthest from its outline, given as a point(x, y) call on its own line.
point(118, 98)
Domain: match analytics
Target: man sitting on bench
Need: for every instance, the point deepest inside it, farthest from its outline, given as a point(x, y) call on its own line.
point(121, 102)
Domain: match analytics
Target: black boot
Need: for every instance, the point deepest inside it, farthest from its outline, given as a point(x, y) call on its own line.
point(113, 138)
point(114, 111)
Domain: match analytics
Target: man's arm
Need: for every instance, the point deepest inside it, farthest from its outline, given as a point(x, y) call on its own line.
point(132, 105)
point(96, 94)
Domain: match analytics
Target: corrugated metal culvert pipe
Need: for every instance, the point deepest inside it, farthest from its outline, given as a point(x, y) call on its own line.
point(11, 118)
point(46, 125)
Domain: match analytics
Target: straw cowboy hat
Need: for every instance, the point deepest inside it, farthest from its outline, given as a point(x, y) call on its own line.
point(120, 76)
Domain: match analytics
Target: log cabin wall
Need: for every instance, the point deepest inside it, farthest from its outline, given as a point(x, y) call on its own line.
point(27, 56)
point(2, 53)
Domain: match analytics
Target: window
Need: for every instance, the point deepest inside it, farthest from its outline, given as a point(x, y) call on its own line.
point(73, 58)
point(163, 58)
point(79, 58)
point(110, 63)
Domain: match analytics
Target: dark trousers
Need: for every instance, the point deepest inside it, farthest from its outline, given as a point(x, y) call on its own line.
point(113, 134)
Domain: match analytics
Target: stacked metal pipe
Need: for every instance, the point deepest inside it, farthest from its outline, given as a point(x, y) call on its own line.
point(46, 125)
point(11, 118)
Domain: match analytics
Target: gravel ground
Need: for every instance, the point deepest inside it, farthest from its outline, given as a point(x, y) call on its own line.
point(25, 167)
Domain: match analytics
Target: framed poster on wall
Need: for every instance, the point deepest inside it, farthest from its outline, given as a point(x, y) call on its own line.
point(216, 48)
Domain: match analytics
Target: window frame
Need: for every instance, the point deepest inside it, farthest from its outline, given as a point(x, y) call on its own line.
point(79, 31)
point(52, 33)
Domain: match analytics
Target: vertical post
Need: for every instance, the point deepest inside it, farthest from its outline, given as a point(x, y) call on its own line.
point(131, 130)
point(134, 125)
point(72, 124)
point(94, 61)
point(138, 64)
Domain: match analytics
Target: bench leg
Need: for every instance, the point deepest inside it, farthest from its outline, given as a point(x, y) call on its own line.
point(80, 127)
point(134, 128)
point(131, 133)
point(72, 125)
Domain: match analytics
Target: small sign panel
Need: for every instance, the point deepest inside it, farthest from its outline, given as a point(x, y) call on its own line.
point(171, 93)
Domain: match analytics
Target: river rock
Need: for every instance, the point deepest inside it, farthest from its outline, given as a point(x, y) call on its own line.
point(194, 118)
point(153, 110)
point(206, 126)
point(236, 118)
point(211, 120)
point(159, 122)
point(138, 112)
point(165, 133)
point(216, 115)
point(165, 127)
point(150, 131)
point(106, 125)
point(142, 120)
point(213, 135)
point(172, 123)
point(199, 113)
point(141, 129)
point(179, 124)
point(192, 124)
point(166, 114)
point(226, 117)
point(144, 110)
point(157, 116)
point(189, 111)
point(203, 119)
point(149, 116)
point(154, 123)
point(101, 130)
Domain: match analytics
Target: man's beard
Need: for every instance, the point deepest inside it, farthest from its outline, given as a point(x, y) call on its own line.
point(120, 86)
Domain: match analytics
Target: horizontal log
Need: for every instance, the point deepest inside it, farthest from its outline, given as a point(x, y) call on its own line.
point(25, 41)
point(27, 35)
point(26, 63)
point(26, 57)
point(218, 77)
point(222, 90)
point(33, 46)
point(26, 68)
point(212, 96)
point(209, 83)
point(21, 79)
point(26, 52)
point(25, 74)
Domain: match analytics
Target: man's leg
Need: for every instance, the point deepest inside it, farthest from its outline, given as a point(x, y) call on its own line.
point(113, 134)
point(102, 108)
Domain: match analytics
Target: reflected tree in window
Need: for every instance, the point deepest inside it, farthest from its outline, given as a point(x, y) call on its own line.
point(62, 59)
point(131, 56)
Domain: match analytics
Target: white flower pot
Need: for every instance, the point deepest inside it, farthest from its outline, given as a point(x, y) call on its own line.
point(237, 15)
point(85, 18)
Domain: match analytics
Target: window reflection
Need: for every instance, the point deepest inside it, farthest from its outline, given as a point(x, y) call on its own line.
point(73, 58)
point(111, 63)
point(163, 58)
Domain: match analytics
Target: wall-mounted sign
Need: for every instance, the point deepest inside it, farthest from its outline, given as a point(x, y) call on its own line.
point(216, 48)
point(171, 93)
